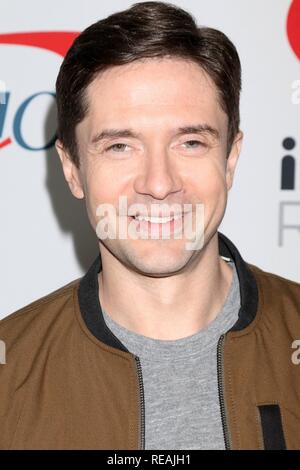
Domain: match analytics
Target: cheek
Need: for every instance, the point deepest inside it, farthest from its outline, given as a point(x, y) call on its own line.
point(209, 180)
point(216, 195)
point(208, 186)
point(102, 187)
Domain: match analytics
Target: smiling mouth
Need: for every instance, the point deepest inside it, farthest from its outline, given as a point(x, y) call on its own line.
point(157, 220)
point(158, 226)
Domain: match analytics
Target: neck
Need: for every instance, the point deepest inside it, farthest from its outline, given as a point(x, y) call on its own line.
point(166, 308)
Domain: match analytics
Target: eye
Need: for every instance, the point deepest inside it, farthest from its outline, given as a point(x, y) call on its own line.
point(197, 142)
point(118, 147)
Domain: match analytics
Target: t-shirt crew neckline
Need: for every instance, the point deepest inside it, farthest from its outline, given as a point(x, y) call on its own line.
point(198, 344)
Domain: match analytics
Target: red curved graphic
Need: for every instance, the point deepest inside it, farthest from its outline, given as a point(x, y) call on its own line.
point(293, 27)
point(55, 41)
point(5, 142)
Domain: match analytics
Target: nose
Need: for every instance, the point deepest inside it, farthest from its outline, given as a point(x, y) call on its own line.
point(159, 176)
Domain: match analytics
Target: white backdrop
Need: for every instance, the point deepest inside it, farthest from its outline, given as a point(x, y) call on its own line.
point(46, 239)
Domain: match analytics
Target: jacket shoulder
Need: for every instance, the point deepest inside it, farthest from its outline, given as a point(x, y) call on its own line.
point(32, 337)
point(273, 279)
point(279, 298)
point(37, 315)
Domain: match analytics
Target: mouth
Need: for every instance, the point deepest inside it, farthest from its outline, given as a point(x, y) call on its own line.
point(158, 226)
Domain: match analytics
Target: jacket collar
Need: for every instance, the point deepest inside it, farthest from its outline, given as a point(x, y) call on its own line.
point(91, 309)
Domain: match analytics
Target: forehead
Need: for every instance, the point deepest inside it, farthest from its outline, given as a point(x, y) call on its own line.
point(163, 89)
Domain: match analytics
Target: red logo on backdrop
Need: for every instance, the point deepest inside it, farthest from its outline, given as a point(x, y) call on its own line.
point(54, 41)
point(293, 27)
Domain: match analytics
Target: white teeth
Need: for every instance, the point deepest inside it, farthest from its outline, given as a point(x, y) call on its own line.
point(157, 220)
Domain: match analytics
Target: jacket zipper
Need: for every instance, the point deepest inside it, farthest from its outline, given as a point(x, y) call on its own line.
point(142, 403)
point(220, 368)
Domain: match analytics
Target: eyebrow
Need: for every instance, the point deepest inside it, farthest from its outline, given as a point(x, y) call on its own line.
point(192, 129)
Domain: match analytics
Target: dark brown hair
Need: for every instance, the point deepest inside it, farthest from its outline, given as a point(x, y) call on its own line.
point(145, 30)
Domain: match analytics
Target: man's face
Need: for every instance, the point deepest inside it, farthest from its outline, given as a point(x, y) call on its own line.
point(158, 162)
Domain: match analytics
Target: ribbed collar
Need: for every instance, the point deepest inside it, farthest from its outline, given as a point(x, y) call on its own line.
point(88, 295)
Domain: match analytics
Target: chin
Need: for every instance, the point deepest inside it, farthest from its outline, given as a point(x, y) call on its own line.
point(158, 262)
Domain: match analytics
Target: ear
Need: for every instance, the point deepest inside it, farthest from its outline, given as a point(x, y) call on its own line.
point(233, 158)
point(71, 172)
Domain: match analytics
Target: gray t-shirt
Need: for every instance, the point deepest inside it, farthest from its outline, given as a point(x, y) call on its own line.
point(182, 409)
